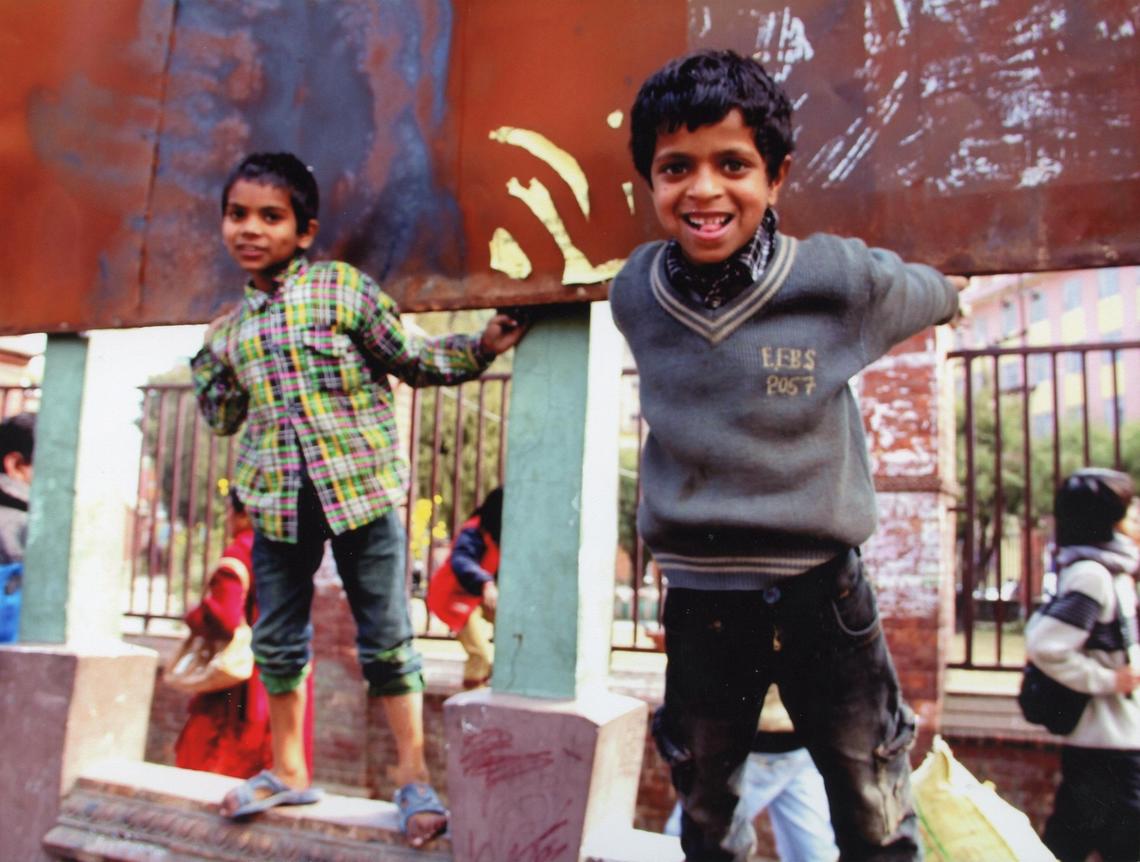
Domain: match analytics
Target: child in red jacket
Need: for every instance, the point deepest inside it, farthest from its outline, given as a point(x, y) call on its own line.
point(462, 592)
point(227, 731)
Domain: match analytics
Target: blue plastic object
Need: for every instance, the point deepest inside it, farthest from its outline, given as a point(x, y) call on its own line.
point(11, 590)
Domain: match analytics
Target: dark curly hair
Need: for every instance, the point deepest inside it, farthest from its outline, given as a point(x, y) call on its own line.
point(699, 89)
point(1089, 505)
point(284, 171)
point(18, 434)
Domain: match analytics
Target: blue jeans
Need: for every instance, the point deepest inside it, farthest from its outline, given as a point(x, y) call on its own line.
point(818, 636)
point(370, 562)
point(787, 785)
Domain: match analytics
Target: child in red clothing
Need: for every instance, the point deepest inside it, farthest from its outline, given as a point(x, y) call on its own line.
point(463, 592)
point(227, 731)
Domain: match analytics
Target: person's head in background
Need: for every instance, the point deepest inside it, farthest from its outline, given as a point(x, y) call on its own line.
point(490, 513)
point(17, 446)
point(1091, 506)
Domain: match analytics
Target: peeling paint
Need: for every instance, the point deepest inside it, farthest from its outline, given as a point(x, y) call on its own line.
point(1042, 172)
point(507, 256)
point(782, 43)
point(627, 189)
point(563, 164)
point(577, 269)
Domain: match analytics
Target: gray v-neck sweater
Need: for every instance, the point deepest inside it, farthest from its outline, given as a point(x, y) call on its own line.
point(756, 466)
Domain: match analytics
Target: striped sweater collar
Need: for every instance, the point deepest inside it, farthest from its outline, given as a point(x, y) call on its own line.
point(715, 325)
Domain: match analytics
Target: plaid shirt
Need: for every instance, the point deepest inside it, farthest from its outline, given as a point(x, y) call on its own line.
point(306, 369)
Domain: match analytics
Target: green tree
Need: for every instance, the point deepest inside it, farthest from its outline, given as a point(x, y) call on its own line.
point(1044, 453)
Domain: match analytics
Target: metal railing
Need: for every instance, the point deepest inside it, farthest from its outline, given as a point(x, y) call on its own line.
point(456, 438)
point(1027, 417)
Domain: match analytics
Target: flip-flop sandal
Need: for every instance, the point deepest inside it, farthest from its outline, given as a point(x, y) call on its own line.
point(419, 798)
point(281, 794)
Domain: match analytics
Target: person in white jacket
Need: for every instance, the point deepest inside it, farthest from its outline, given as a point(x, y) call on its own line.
point(1087, 640)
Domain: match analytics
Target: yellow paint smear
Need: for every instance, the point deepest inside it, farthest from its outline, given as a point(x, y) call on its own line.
point(507, 255)
point(627, 187)
point(577, 269)
point(563, 164)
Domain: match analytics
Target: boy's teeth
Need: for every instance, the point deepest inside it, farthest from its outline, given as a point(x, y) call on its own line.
point(707, 220)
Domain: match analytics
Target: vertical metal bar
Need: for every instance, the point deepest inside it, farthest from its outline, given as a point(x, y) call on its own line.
point(175, 493)
point(457, 509)
point(481, 419)
point(413, 482)
point(1027, 498)
point(433, 490)
point(207, 558)
point(1085, 405)
point(1117, 412)
point(156, 468)
point(1056, 421)
point(503, 420)
point(998, 529)
point(968, 575)
point(191, 496)
point(136, 538)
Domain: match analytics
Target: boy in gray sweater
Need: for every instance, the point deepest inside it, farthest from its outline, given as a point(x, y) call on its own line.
point(757, 489)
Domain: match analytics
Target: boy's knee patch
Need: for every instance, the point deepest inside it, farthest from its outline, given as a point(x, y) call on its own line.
point(275, 684)
point(395, 671)
point(407, 684)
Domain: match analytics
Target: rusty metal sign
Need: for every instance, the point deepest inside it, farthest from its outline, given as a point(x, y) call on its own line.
point(474, 153)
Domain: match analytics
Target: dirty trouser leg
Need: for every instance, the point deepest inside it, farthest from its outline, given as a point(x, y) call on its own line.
point(718, 645)
point(839, 685)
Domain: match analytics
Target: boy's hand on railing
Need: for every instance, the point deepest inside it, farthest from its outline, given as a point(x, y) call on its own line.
point(502, 332)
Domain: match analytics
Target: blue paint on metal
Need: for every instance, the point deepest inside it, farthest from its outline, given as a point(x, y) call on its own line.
point(440, 57)
point(326, 77)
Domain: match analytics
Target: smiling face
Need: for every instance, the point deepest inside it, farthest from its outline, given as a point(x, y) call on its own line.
point(710, 187)
point(259, 229)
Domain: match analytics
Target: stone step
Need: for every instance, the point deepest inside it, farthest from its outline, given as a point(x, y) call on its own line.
point(132, 811)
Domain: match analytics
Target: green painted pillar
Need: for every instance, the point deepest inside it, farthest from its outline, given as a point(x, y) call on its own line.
point(44, 616)
point(552, 634)
point(76, 555)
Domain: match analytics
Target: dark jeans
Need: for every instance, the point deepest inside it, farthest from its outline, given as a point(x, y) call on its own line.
point(1097, 806)
point(819, 638)
point(370, 562)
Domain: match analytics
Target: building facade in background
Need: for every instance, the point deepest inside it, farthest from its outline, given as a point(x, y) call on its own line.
point(1080, 307)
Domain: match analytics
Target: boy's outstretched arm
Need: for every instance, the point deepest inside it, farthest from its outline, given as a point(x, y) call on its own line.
point(422, 360)
point(221, 397)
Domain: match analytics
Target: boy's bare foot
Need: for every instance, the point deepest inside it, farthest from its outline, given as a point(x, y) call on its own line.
point(422, 815)
point(424, 827)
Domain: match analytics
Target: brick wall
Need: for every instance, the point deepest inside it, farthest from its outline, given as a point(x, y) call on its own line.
point(907, 404)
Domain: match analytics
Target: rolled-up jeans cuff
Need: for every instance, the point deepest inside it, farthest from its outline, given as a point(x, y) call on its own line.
point(275, 684)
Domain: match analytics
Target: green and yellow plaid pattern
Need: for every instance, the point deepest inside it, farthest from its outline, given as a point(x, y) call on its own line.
point(305, 369)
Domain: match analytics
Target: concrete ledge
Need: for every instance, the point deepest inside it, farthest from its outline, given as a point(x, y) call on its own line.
point(136, 811)
point(131, 811)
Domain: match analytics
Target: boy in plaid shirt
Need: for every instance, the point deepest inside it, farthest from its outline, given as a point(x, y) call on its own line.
point(303, 362)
